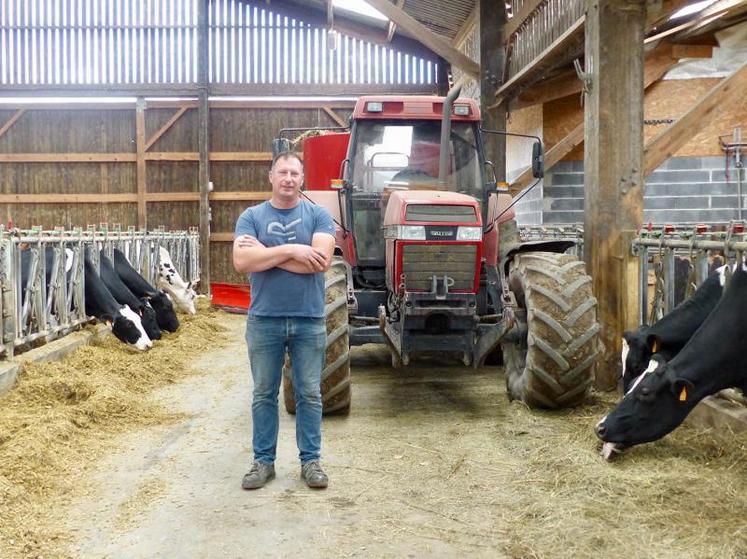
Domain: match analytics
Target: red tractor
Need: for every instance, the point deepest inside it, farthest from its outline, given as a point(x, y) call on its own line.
point(429, 258)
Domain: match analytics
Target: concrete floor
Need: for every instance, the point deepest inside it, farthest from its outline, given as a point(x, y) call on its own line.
point(431, 462)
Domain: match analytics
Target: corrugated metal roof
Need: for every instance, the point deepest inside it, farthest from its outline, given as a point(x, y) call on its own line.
point(444, 18)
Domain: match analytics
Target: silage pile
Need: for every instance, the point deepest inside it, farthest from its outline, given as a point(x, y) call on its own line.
point(60, 416)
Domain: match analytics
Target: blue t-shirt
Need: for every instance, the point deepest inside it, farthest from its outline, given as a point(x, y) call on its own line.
point(277, 292)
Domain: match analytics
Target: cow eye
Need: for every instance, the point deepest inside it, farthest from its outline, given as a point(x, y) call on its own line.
point(645, 391)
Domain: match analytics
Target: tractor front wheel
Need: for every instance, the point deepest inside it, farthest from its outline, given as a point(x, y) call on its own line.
point(553, 365)
point(335, 385)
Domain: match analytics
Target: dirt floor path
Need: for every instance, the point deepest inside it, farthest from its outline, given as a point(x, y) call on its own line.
point(434, 462)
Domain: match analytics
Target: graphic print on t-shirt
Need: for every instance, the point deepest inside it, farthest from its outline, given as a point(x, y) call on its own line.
point(288, 232)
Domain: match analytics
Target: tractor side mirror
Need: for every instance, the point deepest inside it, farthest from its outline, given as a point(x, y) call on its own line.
point(280, 145)
point(538, 160)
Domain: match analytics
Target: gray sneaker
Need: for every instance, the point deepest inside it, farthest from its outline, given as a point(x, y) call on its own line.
point(258, 476)
point(313, 475)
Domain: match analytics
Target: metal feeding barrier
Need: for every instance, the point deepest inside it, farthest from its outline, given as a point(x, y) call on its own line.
point(695, 249)
point(572, 232)
point(677, 257)
point(42, 283)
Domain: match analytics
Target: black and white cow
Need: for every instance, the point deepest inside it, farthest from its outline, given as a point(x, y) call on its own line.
point(124, 296)
point(170, 281)
point(670, 334)
point(159, 300)
point(126, 324)
point(49, 262)
point(660, 399)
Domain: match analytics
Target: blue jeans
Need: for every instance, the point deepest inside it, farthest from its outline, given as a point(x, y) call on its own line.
point(268, 338)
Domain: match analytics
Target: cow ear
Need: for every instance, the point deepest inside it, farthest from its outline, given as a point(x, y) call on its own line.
point(681, 388)
point(653, 342)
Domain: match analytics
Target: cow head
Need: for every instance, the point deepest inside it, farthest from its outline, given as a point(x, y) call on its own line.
point(183, 296)
point(169, 280)
point(149, 320)
point(637, 349)
point(128, 328)
point(165, 313)
point(655, 405)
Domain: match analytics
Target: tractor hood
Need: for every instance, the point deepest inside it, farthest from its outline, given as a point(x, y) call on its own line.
point(430, 206)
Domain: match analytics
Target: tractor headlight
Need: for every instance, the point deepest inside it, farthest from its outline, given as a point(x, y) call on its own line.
point(469, 233)
point(405, 232)
point(412, 232)
point(461, 110)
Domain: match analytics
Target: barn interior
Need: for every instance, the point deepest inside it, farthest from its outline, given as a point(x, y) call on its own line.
point(145, 125)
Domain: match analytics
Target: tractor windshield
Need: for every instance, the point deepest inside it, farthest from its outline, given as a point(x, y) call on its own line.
point(398, 154)
point(405, 154)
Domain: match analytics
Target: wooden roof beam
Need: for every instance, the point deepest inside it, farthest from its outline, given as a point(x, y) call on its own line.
point(658, 64)
point(663, 146)
point(434, 42)
point(352, 28)
point(658, 61)
point(710, 14)
point(393, 26)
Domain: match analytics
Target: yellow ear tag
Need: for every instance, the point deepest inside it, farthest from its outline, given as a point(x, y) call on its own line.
point(683, 394)
point(655, 346)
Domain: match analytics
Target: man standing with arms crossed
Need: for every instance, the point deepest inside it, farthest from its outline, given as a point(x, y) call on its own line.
point(286, 245)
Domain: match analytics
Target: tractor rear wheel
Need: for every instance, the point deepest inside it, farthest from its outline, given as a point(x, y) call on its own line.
point(336, 371)
point(553, 365)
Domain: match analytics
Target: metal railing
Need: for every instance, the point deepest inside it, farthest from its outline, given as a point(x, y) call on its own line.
point(572, 232)
point(698, 246)
point(42, 283)
point(660, 250)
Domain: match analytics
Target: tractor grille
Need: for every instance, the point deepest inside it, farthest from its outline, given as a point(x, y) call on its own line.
point(421, 262)
point(440, 213)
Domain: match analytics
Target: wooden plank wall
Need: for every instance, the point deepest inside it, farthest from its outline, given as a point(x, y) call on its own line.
point(78, 167)
point(667, 99)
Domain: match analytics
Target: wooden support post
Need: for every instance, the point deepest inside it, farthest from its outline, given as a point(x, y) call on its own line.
point(613, 169)
point(492, 20)
point(203, 146)
point(142, 220)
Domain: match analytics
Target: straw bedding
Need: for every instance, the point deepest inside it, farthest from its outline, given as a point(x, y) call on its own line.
point(61, 417)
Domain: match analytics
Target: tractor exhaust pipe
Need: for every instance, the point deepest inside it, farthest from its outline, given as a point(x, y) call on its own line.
point(443, 161)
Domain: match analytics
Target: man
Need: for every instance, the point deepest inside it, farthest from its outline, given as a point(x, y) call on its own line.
point(286, 245)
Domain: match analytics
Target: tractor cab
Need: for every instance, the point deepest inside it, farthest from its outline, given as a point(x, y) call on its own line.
point(395, 146)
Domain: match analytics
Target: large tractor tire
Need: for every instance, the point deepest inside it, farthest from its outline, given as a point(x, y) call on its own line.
point(336, 371)
point(552, 366)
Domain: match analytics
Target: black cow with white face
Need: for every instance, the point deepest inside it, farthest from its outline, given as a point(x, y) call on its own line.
point(159, 300)
point(124, 296)
point(713, 359)
point(126, 324)
point(670, 334)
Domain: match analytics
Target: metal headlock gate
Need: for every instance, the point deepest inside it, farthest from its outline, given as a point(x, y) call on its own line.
point(32, 308)
point(658, 248)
